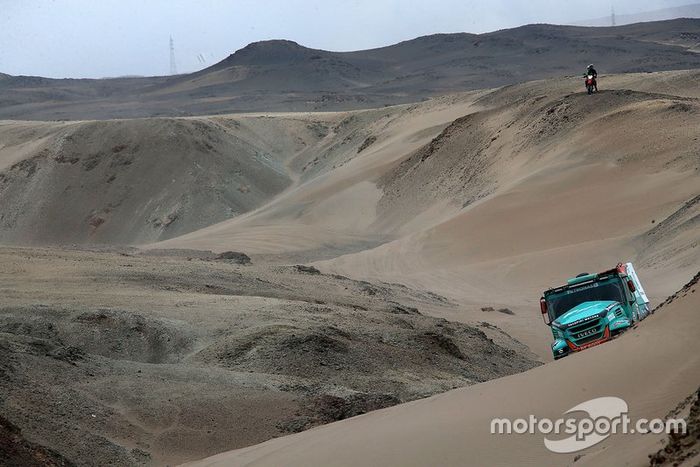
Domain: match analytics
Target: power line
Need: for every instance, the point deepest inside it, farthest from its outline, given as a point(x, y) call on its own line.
point(173, 66)
point(612, 15)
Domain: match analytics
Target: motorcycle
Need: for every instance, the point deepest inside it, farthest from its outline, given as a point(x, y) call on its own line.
point(590, 84)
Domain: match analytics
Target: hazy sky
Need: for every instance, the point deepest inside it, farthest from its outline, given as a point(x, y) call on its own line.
point(98, 38)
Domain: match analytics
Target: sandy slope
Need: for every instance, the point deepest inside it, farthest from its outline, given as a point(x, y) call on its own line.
point(130, 181)
point(556, 183)
point(486, 198)
point(118, 357)
point(535, 183)
point(335, 202)
point(453, 428)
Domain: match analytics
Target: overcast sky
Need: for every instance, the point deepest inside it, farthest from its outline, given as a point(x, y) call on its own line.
point(99, 38)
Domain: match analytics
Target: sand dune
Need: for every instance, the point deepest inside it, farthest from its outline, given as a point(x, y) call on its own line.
point(571, 187)
point(453, 428)
point(534, 183)
point(447, 209)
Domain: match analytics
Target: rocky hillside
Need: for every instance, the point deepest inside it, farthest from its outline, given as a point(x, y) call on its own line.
point(283, 75)
point(135, 181)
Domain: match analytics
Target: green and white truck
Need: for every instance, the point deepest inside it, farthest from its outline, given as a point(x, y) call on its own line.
point(593, 308)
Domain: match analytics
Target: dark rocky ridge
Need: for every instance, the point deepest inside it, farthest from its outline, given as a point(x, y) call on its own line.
point(285, 76)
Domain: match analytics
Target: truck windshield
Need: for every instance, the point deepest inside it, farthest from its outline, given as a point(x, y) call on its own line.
point(609, 289)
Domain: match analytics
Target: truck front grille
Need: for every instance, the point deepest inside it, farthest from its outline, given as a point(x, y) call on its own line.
point(587, 332)
point(587, 339)
point(574, 331)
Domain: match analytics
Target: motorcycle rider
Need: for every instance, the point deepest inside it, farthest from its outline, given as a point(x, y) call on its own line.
point(592, 72)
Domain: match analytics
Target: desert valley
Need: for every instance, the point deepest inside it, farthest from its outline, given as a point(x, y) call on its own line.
point(301, 257)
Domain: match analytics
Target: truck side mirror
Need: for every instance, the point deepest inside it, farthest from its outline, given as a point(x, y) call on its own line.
point(543, 309)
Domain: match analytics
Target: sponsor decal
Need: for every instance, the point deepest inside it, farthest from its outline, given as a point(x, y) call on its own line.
point(583, 320)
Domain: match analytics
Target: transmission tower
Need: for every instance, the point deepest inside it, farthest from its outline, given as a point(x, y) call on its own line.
point(612, 16)
point(173, 66)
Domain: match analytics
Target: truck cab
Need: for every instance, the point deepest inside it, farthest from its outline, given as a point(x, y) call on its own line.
point(593, 308)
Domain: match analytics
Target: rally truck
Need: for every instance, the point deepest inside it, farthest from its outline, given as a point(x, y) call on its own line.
point(593, 308)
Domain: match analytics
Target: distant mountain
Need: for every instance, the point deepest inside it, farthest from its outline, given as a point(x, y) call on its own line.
point(282, 75)
point(687, 11)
